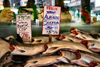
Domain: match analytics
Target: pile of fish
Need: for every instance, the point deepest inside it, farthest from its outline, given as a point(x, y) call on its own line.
point(76, 48)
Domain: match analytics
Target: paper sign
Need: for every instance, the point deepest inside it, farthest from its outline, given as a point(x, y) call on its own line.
point(23, 25)
point(37, 22)
point(51, 20)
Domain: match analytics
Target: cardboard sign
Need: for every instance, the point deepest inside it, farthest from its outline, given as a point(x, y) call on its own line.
point(51, 20)
point(23, 25)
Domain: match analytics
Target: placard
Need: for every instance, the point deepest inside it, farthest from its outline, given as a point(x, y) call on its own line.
point(37, 22)
point(23, 26)
point(51, 20)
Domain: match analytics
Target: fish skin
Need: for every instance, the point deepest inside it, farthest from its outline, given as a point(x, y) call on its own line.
point(69, 55)
point(4, 47)
point(93, 45)
point(66, 65)
point(78, 30)
point(42, 39)
point(73, 39)
point(86, 58)
point(84, 36)
point(35, 40)
point(6, 58)
point(70, 46)
point(28, 49)
point(64, 36)
point(42, 61)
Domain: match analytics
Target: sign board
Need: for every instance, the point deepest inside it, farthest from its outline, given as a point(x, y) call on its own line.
point(37, 22)
point(51, 20)
point(23, 26)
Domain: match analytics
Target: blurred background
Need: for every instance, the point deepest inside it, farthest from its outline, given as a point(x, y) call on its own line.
point(82, 14)
point(73, 11)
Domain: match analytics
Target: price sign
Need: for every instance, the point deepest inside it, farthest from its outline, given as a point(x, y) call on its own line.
point(23, 26)
point(51, 20)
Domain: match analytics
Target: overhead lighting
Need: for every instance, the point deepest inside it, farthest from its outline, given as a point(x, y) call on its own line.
point(66, 1)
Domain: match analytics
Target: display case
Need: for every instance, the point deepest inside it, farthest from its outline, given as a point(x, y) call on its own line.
point(77, 45)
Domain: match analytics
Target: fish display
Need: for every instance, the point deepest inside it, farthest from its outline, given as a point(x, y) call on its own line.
point(92, 45)
point(7, 57)
point(69, 55)
point(28, 49)
point(42, 39)
point(71, 38)
point(4, 47)
point(86, 58)
point(78, 30)
point(66, 45)
point(43, 61)
point(76, 48)
point(83, 36)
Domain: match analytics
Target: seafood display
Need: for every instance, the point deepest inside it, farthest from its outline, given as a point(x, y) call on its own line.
point(76, 48)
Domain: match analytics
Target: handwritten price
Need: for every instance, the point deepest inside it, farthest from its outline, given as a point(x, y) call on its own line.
point(25, 35)
point(52, 31)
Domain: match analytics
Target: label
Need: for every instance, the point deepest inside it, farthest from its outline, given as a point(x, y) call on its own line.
point(23, 25)
point(37, 22)
point(51, 20)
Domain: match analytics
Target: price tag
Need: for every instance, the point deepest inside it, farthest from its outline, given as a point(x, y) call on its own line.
point(51, 20)
point(23, 26)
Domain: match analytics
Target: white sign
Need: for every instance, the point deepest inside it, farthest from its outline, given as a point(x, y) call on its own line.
point(37, 22)
point(23, 25)
point(51, 20)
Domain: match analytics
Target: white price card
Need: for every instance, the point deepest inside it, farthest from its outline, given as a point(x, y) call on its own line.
point(51, 20)
point(23, 26)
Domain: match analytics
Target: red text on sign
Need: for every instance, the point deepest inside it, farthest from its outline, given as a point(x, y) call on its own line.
point(51, 8)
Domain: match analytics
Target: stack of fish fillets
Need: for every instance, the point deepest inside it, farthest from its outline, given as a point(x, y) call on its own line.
point(76, 48)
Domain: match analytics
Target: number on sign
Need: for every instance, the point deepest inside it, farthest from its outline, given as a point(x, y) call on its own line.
point(26, 35)
point(52, 31)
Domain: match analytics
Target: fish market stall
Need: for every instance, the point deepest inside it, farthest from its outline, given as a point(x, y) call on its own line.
point(59, 36)
point(33, 54)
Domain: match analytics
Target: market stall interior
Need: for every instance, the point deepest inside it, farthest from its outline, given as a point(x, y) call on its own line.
point(77, 44)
